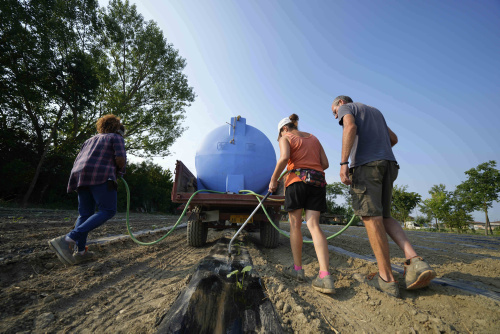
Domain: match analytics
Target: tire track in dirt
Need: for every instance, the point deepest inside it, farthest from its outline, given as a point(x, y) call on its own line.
point(132, 307)
point(118, 280)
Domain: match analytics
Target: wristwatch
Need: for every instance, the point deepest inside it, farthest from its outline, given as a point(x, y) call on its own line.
point(344, 163)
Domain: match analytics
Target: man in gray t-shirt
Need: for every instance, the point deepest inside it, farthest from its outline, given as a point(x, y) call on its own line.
point(368, 141)
point(372, 141)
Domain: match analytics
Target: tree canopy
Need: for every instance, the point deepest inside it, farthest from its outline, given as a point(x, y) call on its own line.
point(147, 87)
point(403, 202)
point(438, 206)
point(481, 189)
point(64, 64)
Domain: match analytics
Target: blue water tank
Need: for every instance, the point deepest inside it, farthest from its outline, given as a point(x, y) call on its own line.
point(235, 157)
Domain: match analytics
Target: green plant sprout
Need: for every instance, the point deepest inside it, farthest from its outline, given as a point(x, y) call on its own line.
point(235, 272)
point(238, 247)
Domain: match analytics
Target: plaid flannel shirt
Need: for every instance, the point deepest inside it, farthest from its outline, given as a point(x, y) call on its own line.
point(95, 163)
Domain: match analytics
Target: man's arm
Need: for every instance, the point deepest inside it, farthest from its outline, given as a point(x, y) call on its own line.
point(393, 137)
point(348, 136)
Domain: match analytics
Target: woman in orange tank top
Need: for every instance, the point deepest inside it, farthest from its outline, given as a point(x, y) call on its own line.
point(305, 159)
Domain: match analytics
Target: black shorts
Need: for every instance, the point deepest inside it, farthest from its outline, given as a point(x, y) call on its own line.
point(299, 195)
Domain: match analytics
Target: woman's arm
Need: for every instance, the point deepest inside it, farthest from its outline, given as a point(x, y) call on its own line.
point(281, 164)
point(120, 154)
point(323, 158)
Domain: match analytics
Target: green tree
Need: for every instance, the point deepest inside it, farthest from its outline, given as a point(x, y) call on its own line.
point(422, 221)
point(150, 188)
point(332, 191)
point(403, 202)
point(47, 74)
point(147, 87)
point(481, 189)
point(335, 190)
point(458, 216)
point(439, 205)
point(64, 64)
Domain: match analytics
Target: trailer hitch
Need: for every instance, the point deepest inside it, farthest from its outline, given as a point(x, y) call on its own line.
point(248, 219)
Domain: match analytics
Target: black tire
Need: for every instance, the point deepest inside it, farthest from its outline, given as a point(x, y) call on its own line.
point(269, 236)
point(196, 233)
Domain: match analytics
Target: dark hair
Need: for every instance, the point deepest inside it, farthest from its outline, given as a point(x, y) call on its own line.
point(294, 118)
point(344, 98)
point(108, 124)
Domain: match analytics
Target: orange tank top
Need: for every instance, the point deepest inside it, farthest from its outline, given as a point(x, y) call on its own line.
point(305, 152)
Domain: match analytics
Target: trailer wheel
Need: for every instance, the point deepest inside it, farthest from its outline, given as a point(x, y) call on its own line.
point(269, 236)
point(196, 233)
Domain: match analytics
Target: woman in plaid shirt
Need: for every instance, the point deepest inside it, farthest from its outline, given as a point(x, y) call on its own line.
point(93, 176)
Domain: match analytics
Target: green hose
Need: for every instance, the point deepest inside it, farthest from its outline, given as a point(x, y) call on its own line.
point(248, 192)
point(171, 230)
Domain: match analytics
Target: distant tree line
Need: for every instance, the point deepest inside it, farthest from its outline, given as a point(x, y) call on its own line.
point(452, 209)
point(150, 189)
point(64, 64)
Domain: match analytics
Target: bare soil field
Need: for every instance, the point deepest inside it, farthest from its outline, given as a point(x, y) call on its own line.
point(128, 288)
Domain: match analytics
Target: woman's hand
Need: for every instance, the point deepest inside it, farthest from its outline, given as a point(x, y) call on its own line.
point(273, 185)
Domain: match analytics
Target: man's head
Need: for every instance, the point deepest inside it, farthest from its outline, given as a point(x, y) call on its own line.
point(339, 100)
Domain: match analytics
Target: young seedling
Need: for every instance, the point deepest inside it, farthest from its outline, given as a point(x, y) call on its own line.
point(238, 247)
point(235, 272)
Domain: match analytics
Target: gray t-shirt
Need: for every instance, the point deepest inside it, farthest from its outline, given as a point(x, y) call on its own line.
point(372, 140)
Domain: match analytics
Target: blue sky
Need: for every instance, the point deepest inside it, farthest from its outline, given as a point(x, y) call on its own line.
point(431, 67)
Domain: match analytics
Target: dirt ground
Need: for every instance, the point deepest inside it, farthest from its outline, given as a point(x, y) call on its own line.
point(129, 287)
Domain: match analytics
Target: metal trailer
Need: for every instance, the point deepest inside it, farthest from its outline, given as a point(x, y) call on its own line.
point(224, 211)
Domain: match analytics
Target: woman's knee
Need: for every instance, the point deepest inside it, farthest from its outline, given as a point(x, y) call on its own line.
point(108, 213)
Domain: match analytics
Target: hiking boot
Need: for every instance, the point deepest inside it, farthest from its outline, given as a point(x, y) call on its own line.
point(290, 272)
point(374, 280)
point(87, 256)
point(324, 284)
point(418, 274)
point(63, 250)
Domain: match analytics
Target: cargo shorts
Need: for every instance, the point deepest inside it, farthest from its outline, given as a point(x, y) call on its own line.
point(371, 188)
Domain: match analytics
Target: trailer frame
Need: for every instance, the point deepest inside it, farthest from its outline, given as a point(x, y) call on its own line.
point(224, 211)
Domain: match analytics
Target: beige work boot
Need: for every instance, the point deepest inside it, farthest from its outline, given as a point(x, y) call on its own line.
point(374, 280)
point(418, 273)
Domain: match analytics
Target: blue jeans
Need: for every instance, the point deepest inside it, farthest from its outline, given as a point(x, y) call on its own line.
point(88, 198)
